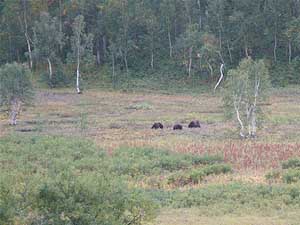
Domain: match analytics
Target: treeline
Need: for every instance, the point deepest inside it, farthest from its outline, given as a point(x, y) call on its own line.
point(190, 38)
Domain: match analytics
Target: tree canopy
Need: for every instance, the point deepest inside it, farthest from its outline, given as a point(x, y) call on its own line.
point(190, 37)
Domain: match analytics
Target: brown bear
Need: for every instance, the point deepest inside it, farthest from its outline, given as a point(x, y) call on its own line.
point(194, 124)
point(177, 127)
point(157, 126)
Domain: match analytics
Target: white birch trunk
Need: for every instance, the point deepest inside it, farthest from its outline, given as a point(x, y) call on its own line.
point(221, 77)
point(26, 33)
point(190, 61)
point(50, 69)
point(78, 76)
point(170, 43)
point(98, 58)
point(236, 107)
point(211, 70)
point(253, 109)
point(125, 61)
point(29, 51)
point(152, 59)
point(290, 52)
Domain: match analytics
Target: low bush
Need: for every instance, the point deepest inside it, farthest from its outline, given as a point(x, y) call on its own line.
point(291, 163)
point(290, 172)
point(144, 161)
point(195, 176)
point(291, 176)
point(62, 181)
point(59, 78)
point(230, 198)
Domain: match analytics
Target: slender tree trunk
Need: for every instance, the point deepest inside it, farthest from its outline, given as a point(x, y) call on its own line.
point(170, 42)
point(221, 77)
point(253, 124)
point(221, 56)
point(14, 111)
point(246, 51)
point(290, 52)
point(246, 47)
point(50, 69)
point(27, 35)
point(200, 16)
point(60, 19)
point(10, 48)
point(125, 61)
point(220, 32)
point(229, 51)
point(190, 61)
point(78, 65)
point(253, 109)
point(98, 57)
point(113, 67)
point(275, 46)
point(29, 51)
point(104, 45)
point(152, 60)
point(98, 54)
point(236, 107)
point(18, 55)
point(175, 28)
point(211, 71)
point(78, 75)
point(152, 51)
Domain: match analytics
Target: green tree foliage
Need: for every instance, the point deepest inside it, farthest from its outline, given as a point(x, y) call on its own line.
point(47, 40)
point(160, 36)
point(15, 89)
point(246, 88)
point(81, 47)
point(73, 183)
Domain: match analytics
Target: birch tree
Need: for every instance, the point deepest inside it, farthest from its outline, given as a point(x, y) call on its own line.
point(188, 45)
point(15, 89)
point(168, 11)
point(47, 40)
point(82, 47)
point(246, 88)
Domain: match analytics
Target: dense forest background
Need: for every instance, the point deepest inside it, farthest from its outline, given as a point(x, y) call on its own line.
point(186, 39)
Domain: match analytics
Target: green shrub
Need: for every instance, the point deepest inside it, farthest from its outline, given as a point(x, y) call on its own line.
point(291, 176)
point(291, 163)
point(197, 175)
point(144, 161)
point(230, 198)
point(59, 78)
point(273, 175)
point(62, 181)
point(91, 200)
point(290, 172)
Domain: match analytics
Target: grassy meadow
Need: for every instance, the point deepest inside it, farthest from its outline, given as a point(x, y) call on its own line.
point(102, 140)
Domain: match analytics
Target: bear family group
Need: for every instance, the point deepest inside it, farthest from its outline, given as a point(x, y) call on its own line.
point(192, 124)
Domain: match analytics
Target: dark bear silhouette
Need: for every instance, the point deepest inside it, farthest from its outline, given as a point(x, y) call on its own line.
point(157, 126)
point(177, 127)
point(194, 124)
